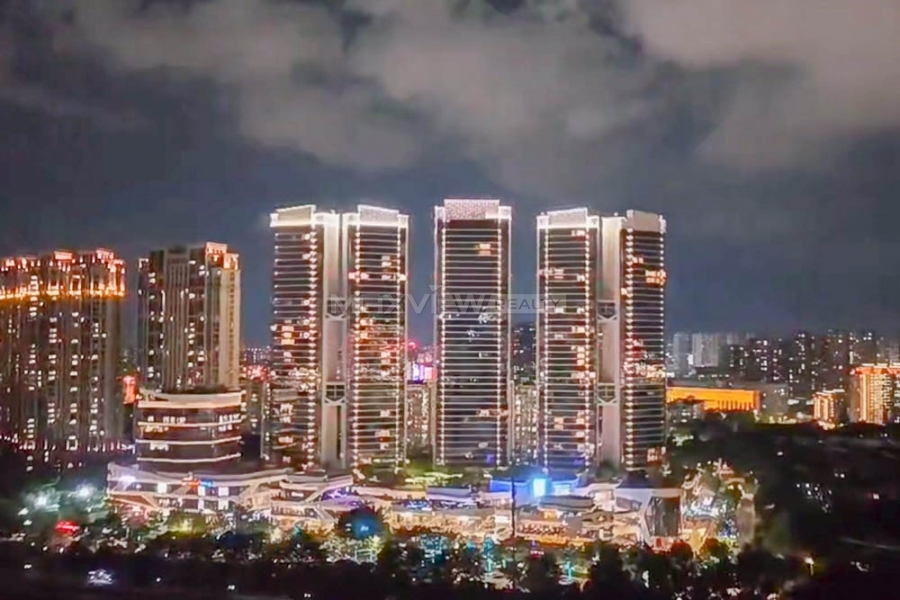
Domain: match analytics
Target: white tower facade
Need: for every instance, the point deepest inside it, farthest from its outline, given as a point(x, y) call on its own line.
point(632, 317)
point(376, 258)
point(472, 332)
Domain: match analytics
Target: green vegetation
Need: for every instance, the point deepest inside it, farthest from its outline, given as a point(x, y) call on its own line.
point(814, 490)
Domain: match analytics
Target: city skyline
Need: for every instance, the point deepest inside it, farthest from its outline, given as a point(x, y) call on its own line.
point(555, 299)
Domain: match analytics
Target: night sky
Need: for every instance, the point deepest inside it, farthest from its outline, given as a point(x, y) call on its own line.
point(768, 133)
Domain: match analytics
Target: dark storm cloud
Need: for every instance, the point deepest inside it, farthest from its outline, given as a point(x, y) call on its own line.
point(765, 131)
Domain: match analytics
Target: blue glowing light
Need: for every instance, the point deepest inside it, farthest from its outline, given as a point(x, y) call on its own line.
point(539, 487)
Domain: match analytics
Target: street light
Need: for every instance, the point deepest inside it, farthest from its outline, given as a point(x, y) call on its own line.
point(811, 563)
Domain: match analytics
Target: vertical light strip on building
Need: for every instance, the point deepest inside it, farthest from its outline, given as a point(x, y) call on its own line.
point(633, 350)
point(376, 263)
point(60, 344)
point(306, 259)
point(567, 358)
point(472, 332)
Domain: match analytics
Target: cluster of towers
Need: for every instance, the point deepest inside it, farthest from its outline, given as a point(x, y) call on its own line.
point(339, 337)
point(337, 380)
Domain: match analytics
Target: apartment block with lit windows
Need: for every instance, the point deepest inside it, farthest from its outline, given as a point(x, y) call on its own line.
point(568, 248)
point(189, 305)
point(188, 431)
point(375, 250)
point(60, 342)
point(873, 393)
point(632, 306)
point(472, 332)
point(305, 391)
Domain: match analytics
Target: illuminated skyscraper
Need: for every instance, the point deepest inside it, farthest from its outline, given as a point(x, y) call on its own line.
point(872, 392)
point(632, 314)
point(60, 343)
point(189, 318)
point(567, 342)
point(306, 393)
point(472, 332)
point(375, 245)
point(802, 363)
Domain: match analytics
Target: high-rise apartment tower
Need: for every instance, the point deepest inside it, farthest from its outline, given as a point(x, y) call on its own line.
point(189, 318)
point(633, 347)
point(60, 345)
point(472, 332)
point(305, 370)
point(375, 251)
point(568, 247)
point(339, 341)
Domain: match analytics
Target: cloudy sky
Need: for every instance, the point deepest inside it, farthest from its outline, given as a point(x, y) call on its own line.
point(767, 132)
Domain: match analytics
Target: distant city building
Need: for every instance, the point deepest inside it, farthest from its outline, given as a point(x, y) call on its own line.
point(376, 242)
point(717, 399)
point(255, 356)
point(568, 250)
point(524, 339)
point(632, 316)
point(705, 349)
point(837, 348)
point(60, 349)
point(803, 366)
point(865, 348)
point(184, 431)
point(189, 323)
point(737, 362)
point(711, 349)
point(830, 406)
point(872, 392)
point(888, 350)
point(472, 332)
point(683, 412)
point(681, 354)
point(773, 399)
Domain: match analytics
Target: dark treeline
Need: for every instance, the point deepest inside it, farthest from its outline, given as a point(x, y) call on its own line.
point(297, 568)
